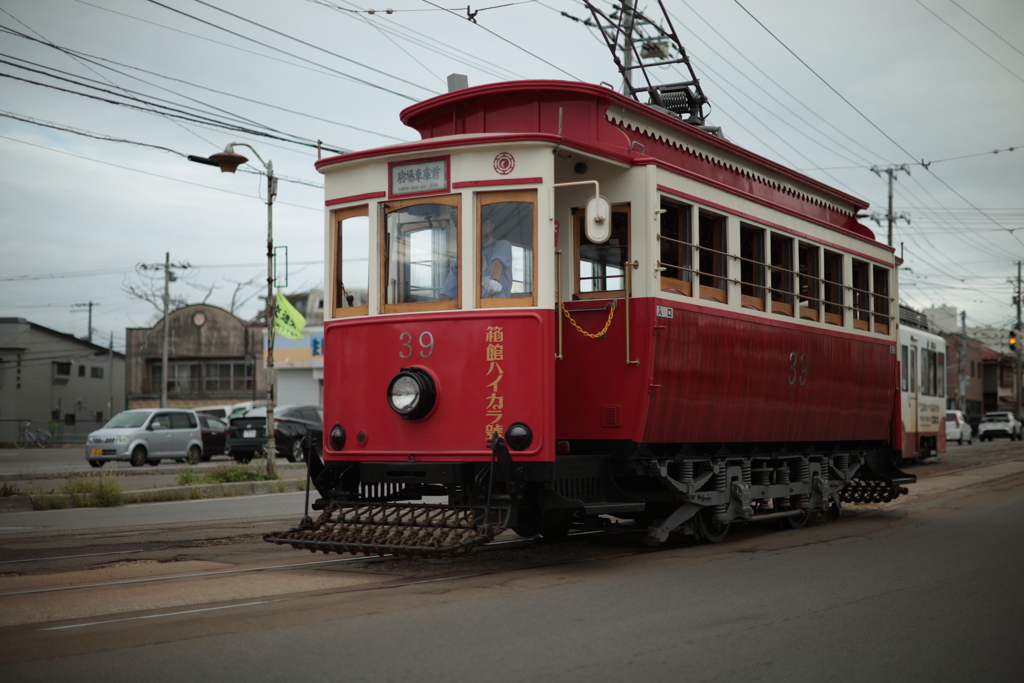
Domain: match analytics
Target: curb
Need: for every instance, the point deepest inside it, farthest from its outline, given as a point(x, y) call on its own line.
point(161, 495)
point(133, 472)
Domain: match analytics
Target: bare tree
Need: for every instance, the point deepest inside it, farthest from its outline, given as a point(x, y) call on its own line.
point(148, 285)
point(238, 299)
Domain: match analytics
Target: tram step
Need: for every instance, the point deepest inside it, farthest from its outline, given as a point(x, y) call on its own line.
point(585, 481)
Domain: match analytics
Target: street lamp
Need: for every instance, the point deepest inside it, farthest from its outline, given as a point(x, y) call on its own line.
point(228, 161)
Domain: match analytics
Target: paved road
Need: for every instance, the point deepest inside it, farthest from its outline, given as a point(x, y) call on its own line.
point(285, 506)
point(926, 590)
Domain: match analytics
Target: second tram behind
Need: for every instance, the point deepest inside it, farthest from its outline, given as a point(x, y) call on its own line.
point(562, 306)
point(922, 388)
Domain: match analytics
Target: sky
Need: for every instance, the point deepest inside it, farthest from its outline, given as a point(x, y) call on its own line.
point(102, 101)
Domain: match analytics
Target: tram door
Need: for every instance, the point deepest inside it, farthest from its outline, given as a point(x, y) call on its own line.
point(911, 414)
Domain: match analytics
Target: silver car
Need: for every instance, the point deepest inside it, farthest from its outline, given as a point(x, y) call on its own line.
point(145, 436)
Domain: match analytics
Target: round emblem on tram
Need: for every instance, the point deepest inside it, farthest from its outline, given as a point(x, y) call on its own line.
point(504, 163)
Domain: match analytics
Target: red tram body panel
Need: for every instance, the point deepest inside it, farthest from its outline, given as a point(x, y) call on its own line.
point(490, 369)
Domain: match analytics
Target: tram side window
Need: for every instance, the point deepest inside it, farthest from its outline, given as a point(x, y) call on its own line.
point(810, 284)
point(782, 274)
point(834, 288)
point(351, 262)
point(881, 290)
point(940, 374)
point(913, 369)
point(861, 286)
point(506, 224)
point(929, 372)
point(712, 258)
point(752, 288)
point(601, 268)
point(904, 369)
point(421, 251)
point(676, 248)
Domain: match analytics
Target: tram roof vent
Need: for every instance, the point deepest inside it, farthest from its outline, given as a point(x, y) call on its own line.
point(457, 82)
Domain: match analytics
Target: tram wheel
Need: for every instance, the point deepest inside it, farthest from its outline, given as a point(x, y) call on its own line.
point(555, 524)
point(527, 523)
point(796, 521)
point(710, 530)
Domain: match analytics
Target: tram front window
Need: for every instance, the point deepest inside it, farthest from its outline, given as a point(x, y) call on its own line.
point(421, 246)
point(506, 235)
point(352, 240)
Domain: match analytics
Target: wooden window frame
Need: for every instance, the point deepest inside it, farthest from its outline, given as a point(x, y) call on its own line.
point(719, 257)
point(338, 309)
point(882, 304)
point(683, 246)
point(833, 288)
point(781, 305)
point(861, 316)
point(756, 263)
point(812, 279)
point(487, 198)
point(389, 207)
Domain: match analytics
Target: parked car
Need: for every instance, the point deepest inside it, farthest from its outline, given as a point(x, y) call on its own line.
point(145, 436)
point(238, 410)
point(247, 433)
point(957, 427)
point(215, 435)
point(998, 425)
point(217, 411)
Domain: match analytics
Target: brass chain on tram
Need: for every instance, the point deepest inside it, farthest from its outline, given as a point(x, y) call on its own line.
point(599, 335)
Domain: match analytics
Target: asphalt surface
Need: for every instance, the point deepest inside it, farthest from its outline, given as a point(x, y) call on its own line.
point(924, 588)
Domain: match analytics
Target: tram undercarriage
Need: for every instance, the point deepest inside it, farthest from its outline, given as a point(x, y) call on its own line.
point(369, 508)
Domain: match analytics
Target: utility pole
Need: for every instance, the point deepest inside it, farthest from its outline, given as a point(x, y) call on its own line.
point(962, 403)
point(88, 336)
point(169, 277)
point(110, 372)
point(1017, 379)
point(891, 217)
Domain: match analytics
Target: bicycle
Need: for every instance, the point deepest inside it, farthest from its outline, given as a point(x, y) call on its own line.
point(40, 437)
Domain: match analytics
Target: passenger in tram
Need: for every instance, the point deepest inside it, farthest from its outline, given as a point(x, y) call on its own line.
point(496, 279)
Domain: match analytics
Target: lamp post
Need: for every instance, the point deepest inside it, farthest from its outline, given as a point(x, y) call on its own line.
point(228, 161)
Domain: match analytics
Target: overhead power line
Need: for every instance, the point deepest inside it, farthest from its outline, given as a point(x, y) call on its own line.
point(244, 37)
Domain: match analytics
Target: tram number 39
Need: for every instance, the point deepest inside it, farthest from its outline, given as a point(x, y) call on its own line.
point(426, 345)
point(797, 369)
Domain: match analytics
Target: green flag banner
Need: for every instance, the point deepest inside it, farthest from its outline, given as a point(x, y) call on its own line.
point(287, 321)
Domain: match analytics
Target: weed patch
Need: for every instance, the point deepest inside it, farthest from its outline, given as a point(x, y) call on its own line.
point(50, 502)
point(226, 474)
point(104, 490)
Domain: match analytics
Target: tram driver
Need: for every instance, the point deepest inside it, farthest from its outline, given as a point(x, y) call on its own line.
point(496, 278)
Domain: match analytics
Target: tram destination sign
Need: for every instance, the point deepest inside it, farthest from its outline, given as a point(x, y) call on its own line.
point(423, 176)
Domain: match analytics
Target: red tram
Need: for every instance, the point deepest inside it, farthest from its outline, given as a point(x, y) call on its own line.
point(562, 305)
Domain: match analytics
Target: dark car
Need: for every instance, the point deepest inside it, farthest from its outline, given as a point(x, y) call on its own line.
point(247, 434)
point(215, 435)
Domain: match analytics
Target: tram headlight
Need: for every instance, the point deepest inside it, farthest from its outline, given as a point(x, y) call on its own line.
point(411, 393)
point(337, 438)
point(519, 437)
